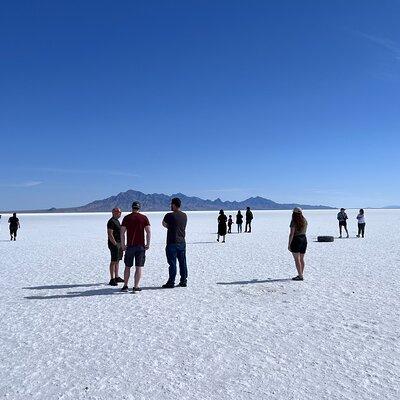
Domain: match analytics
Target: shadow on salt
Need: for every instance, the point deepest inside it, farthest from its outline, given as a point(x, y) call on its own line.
point(255, 281)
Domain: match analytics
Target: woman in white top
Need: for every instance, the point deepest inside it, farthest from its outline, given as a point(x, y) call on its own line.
point(361, 223)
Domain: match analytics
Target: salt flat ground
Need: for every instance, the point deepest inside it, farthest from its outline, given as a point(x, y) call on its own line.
point(241, 329)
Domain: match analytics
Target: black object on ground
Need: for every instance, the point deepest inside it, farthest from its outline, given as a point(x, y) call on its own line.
point(325, 239)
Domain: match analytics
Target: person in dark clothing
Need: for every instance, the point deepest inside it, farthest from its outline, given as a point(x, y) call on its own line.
point(361, 223)
point(176, 222)
point(342, 218)
point(14, 226)
point(249, 218)
point(298, 241)
point(239, 221)
point(136, 226)
point(230, 222)
point(222, 226)
point(114, 245)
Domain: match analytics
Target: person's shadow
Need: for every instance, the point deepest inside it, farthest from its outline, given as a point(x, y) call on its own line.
point(88, 293)
point(62, 286)
point(104, 291)
point(253, 281)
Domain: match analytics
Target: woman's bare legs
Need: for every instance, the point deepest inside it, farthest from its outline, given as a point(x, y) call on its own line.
point(298, 263)
point(302, 264)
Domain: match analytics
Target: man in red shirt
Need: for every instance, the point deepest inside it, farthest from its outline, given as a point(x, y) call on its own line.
point(135, 225)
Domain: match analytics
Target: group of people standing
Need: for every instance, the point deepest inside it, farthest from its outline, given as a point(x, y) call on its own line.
point(133, 238)
point(342, 218)
point(225, 223)
point(136, 227)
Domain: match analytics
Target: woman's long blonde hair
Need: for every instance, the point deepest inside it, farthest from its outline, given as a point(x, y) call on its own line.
point(298, 220)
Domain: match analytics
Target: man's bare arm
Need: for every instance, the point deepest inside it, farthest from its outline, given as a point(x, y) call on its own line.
point(111, 237)
point(148, 237)
point(123, 230)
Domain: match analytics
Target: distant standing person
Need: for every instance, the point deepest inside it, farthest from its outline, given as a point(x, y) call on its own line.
point(298, 241)
point(221, 225)
point(14, 226)
point(176, 222)
point(114, 245)
point(342, 218)
point(136, 225)
point(361, 223)
point(249, 218)
point(239, 221)
point(230, 222)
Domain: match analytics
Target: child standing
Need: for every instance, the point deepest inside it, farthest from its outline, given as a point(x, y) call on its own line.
point(230, 222)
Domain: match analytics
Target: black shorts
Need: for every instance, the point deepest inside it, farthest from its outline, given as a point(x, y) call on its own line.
point(299, 244)
point(343, 223)
point(137, 253)
point(116, 252)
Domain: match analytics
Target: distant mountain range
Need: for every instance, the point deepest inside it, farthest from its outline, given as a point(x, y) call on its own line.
point(161, 202)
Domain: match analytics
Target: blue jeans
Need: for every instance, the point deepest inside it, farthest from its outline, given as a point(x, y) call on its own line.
point(176, 251)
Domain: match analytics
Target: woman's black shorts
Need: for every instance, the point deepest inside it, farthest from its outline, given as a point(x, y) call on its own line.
point(299, 244)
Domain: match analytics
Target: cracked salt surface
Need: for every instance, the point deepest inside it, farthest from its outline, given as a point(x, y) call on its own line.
point(241, 329)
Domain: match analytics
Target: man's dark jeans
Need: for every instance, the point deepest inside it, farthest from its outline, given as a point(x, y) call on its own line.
point(176, 251)
point(248, 226)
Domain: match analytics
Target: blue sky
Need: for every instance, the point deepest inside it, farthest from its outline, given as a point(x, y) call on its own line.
point(294, 101)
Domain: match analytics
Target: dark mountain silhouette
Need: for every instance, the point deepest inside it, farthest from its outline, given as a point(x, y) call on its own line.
point(161, 202)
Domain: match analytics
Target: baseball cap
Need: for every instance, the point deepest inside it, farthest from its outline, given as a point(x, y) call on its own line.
point(136, 205)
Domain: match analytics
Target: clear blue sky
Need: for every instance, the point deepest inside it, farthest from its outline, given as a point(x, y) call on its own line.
point(292, 100)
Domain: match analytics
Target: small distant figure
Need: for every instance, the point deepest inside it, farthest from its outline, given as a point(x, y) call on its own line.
point(176, 222)
point(135, 225)
point(239, 221)
point(249, 218)
point(222, 225)
point(230, 222)
point(342, 218)
point(114, 245)
point(361, 223)
point(14, 226)
point(298, 241)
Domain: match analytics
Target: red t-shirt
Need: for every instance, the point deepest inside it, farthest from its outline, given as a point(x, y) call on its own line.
point(135, 224)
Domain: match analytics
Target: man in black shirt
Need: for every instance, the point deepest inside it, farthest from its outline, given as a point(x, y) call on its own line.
point(342, 218)
point(114, 244)
point(14, 226)
point(249, 218)
point(175, 222)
